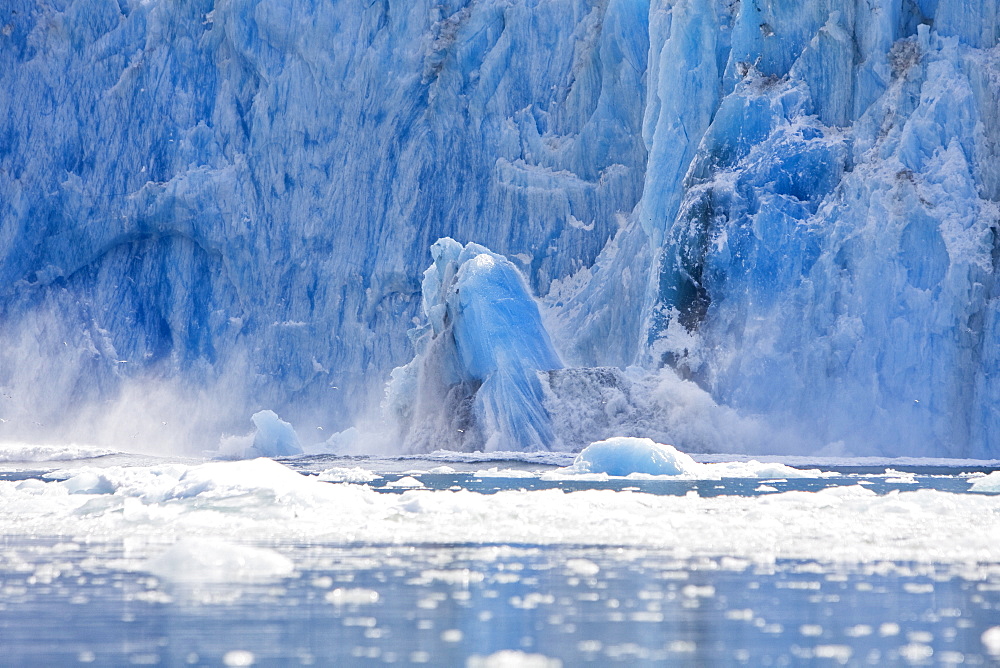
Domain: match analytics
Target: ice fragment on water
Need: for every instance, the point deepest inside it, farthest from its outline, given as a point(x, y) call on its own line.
point(621, 456)
point(209, 560)
point(274, 438)
point(238, 657)
point(991, 640)
point(512, 659)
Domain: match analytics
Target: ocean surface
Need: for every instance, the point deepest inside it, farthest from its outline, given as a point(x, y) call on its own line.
point(450, 559)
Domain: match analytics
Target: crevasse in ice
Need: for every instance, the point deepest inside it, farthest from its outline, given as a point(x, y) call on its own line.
point(217, 206)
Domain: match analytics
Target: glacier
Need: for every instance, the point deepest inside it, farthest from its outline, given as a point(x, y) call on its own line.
point(780, 215)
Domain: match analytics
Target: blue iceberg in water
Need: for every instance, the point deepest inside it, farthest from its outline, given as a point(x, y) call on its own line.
point(622, 456)
point(474, 383)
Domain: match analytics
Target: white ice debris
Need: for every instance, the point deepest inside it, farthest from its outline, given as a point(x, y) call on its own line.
point(405, 481)
point(988, 483)
point(232, 502)
point(511, 658)
point(353, 475)
point(494, 472)
point(209, 560)
point(27, 452)
point(640, 458)
point(991, 640)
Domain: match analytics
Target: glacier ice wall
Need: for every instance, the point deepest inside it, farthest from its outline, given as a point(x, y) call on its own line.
point(821, 200)
point(225, 205)
point(232, 200)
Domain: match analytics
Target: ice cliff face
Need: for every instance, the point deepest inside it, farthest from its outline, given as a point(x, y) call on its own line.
point(239, 195)
point(793, 204)
point(821, 203)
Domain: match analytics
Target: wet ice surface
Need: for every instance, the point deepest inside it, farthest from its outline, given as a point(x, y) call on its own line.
point(452, 561)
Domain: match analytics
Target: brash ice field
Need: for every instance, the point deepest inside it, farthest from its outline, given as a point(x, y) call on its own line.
point(500, 332)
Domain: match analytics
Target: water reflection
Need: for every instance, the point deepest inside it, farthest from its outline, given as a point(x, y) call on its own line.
point(447, 604)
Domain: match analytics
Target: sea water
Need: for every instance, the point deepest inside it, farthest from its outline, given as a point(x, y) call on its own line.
point(464, 560)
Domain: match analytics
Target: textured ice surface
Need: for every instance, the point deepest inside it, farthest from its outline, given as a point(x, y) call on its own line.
point(474, 382)
point(242, 194)
point(622, 456)
point(216, 207)
point(237, 502)
point(820, 200)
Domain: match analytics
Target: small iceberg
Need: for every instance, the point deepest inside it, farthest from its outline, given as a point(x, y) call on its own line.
point(274, 438)
point(643, 457)
point(622, 456)
point(987, 484)
point(217, 561)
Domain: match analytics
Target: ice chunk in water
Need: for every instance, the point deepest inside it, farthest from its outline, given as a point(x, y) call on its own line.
point(204, 560)
point(624, 455)
point(989, 483)
point(274, 438)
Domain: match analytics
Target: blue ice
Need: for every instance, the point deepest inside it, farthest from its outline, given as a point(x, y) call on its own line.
point(792, 204)
point(478, 357)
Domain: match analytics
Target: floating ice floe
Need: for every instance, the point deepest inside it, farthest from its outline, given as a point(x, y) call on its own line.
point(236, 501)
point(988, 483)
point(642, 457)
point(622, 456)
